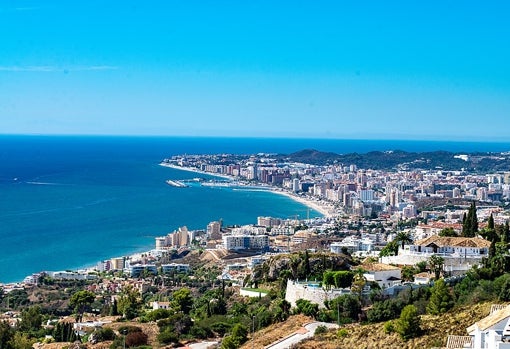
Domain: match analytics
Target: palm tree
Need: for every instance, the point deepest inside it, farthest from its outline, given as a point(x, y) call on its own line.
point(436, 264)
point(404, 238)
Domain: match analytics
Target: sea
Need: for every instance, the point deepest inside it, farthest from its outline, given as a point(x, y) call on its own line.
point(68, 202)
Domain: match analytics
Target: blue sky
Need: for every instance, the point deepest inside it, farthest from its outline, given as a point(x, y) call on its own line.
point(335, 69)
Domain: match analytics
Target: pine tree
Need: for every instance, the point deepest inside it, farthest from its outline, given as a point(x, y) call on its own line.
point(441, 300)
point(408, 325)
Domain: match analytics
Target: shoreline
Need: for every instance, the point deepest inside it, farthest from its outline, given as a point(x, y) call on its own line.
point(319, 206)
point(194, 170)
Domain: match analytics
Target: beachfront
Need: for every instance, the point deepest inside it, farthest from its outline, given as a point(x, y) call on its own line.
point(321, 206)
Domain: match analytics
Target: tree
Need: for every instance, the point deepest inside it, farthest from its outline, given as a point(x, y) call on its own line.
point(408, 273)
point(6, 334)
point(408, 325)
point(436, 265)
point(129, 302)
point(31, 320)
point(391, 249)
point(449, 232)
point(346, 306)
point(404, 238)
point(490, 223)
point(328, 279)
point(343, 278)
point(441, 299)
point(21, 341)
point(80, 301)
point(182, 300)
point(470, 222)
point(306, 307)
point(359, 281)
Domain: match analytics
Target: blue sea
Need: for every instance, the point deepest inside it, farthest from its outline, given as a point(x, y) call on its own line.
point(69, 202)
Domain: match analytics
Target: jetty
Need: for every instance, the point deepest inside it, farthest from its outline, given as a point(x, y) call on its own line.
point(177, 184)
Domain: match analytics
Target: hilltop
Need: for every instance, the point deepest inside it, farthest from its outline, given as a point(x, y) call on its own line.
point(398, 159)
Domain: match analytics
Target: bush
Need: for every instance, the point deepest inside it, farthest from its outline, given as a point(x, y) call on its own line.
point(158, 314)
point(342, 333)
point(167, 337)
point(320, 330)
point(389, 327)
point(104, 334)
point(129, 329)
point(135, 339)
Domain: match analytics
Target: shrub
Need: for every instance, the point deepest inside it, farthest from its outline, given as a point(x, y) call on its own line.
point(135, 339)
point(320, 330)
point(389, 327)
point(167, 337)
point(342, 333)
point(104, 334)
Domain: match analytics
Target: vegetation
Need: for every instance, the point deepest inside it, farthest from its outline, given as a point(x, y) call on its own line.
point(408, 325)
point(441, 299)
point(470, 222)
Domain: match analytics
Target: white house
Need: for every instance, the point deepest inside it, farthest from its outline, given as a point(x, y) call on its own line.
point(460, 246)
point(492, 332)
point(460, 254)
point(423, 278)
point(385, 275)
point(160, 305)
point(352, 244)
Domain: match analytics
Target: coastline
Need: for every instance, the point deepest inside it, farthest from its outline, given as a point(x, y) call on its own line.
point(90, 266)
point(194, 170)
point(319, 206)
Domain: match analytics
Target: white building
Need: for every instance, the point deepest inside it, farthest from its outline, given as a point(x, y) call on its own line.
point(352, 244)
point(492, 332)
point(312, 292)
point(460, 254)
point(385, 275)
point(138, 269)
point(175, 267)
point(243, 242)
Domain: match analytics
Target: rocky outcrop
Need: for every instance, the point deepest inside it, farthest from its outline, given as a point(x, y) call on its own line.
point(300, 265)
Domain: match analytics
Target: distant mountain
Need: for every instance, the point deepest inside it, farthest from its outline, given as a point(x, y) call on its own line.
point(398, 159)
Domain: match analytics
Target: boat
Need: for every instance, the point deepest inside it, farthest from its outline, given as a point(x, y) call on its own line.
point(177, 184)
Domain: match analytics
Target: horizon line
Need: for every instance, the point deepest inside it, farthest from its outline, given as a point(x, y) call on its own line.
point(339, 138)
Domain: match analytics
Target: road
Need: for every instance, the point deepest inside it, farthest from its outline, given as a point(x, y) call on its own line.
point(201, 345)
point(306, 332)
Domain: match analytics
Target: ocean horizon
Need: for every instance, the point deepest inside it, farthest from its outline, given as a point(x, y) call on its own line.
point(68, 202)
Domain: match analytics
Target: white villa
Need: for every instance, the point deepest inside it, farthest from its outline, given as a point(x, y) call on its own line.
point(492, 332)
point(459, 253)
point(385, 275)
point(352, 244)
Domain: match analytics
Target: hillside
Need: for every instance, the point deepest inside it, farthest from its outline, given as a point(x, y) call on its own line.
point(397, 159)
point(371, 336)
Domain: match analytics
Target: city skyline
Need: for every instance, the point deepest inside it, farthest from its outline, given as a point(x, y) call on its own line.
point(353, 70)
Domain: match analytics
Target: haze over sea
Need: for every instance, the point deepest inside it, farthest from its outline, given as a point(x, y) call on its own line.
point(70, 201)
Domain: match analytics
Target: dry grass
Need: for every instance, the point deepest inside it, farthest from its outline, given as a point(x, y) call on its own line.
point(275, 332)
point(435, 331)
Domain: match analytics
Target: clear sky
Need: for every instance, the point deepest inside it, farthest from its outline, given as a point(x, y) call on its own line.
point(336, 69)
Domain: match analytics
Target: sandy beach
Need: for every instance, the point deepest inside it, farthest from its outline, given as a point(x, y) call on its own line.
point(321, 207)
point(317, 205)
